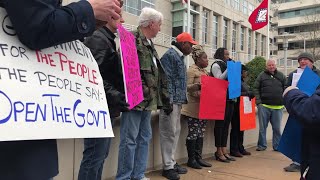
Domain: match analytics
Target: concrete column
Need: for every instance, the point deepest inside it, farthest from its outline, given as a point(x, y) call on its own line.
point(246, 38)
point(210, 28)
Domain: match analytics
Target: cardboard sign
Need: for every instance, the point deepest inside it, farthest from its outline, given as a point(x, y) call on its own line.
point(247, 113)
point(130, 67)
point(212, 98)
point(49, 94)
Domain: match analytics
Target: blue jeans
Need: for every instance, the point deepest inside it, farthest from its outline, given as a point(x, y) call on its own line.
point(135, 134)
point(275, 117)
point(95, 151)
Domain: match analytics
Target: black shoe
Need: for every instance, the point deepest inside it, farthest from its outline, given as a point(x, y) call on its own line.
point(198, 153)
point(170, 174)
point(245, 153)
point(193, 164)
point(236, 154)
point(229, 158)
point(218, 158)
point(179, 169)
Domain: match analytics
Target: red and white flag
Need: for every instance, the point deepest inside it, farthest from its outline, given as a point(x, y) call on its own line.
point(259, 17)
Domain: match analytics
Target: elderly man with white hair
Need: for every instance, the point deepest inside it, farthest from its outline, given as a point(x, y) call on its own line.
point(268, 89)
point(135, 126)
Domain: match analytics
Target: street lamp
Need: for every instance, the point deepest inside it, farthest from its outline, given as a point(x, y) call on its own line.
point(285, 36)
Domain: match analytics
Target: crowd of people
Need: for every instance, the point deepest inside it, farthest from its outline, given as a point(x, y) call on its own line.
point(168, 85)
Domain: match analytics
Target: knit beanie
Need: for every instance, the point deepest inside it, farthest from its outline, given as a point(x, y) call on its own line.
point(306, 55)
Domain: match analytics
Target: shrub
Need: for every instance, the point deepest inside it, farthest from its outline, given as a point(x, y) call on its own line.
point(256, 66)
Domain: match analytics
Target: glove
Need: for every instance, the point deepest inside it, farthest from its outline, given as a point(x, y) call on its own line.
point(288, 89)
point(251, 95)
point(123, 105)
point(168, 109)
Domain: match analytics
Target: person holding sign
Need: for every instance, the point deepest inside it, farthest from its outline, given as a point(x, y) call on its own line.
point(103, 48)
point(196, 126)
point(135, 125)
point(305, 59)
point(221, 129)
point(40, 24)
point(236, 136)
point(169, 119)
point(268, 89)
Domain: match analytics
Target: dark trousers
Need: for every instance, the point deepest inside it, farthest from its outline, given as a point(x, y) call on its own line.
point(236, 136)
point(221, 128)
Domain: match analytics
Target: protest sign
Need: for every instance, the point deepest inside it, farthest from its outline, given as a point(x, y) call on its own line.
point(290, 142)
point(247, 113)
point(130, 67)
point(51, 93)
point(234, 78)
point(212, 98)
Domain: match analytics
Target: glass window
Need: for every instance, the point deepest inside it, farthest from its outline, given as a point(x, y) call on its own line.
point(205, 15)
point(215, 32)
point(234, 37)
point(225, 33)
point(250, 8)
point(256, 44)
point(245, 7)
point(242, 39)
point(237, 4)
point(135, 6)
point(193, 25)
point(263, 48)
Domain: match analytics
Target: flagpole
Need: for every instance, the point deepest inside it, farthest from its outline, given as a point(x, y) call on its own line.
point(268, 46)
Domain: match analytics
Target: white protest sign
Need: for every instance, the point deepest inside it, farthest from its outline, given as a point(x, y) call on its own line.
point(49, 94)
point(247, 105)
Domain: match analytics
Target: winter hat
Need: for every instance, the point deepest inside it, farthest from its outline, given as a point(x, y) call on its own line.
point(306, 55)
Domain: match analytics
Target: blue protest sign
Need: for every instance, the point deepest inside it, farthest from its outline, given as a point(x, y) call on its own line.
point(234, 78)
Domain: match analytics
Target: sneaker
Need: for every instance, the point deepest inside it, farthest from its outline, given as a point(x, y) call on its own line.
point(292, 168)
point(145, 178)
point(260, 149)
point(179, 169)
point(170, 174)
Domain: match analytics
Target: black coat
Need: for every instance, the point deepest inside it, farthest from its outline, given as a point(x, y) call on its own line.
point(40, 24)
point(103, 48)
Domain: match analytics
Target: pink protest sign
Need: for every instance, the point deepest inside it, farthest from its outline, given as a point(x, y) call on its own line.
point(130, 67)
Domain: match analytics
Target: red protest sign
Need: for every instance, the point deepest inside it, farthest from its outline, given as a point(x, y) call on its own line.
point(247, 113)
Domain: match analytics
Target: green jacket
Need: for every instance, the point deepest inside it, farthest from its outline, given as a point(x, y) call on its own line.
point(154, 80)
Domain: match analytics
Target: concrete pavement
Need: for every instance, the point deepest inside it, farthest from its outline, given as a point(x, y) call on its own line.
point(262, 165)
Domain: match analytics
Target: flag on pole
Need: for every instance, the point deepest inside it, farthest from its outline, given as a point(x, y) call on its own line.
point(259, 17)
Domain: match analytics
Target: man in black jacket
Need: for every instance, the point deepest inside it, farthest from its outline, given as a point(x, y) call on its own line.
point(268, 89)
point(103, 48)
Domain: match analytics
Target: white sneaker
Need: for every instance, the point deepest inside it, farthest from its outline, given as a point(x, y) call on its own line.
point(145, 178)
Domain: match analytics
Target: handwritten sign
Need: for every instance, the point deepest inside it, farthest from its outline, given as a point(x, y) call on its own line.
point(130, 67)
point(247, 113)
point(51, 93)
point(212, 98)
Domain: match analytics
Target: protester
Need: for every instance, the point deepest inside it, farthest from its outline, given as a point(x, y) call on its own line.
point(219, 70)
point(135, 125)
point(173, 62)
point(196, 126)
point(236, 136)
point(103, 48)
point(304, 109)
point(41, 24)
point(268, 89)
point(305, 60)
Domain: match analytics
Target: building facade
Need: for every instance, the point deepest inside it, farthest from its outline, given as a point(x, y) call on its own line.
point(300, 18)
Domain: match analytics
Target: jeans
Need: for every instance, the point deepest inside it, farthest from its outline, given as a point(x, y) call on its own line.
point(169, 127)
point(135, 134)
point(274, 116)
point(95, 151)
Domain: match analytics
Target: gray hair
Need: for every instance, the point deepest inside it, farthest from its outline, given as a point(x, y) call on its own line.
point(149, 15)
point(271, 60)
